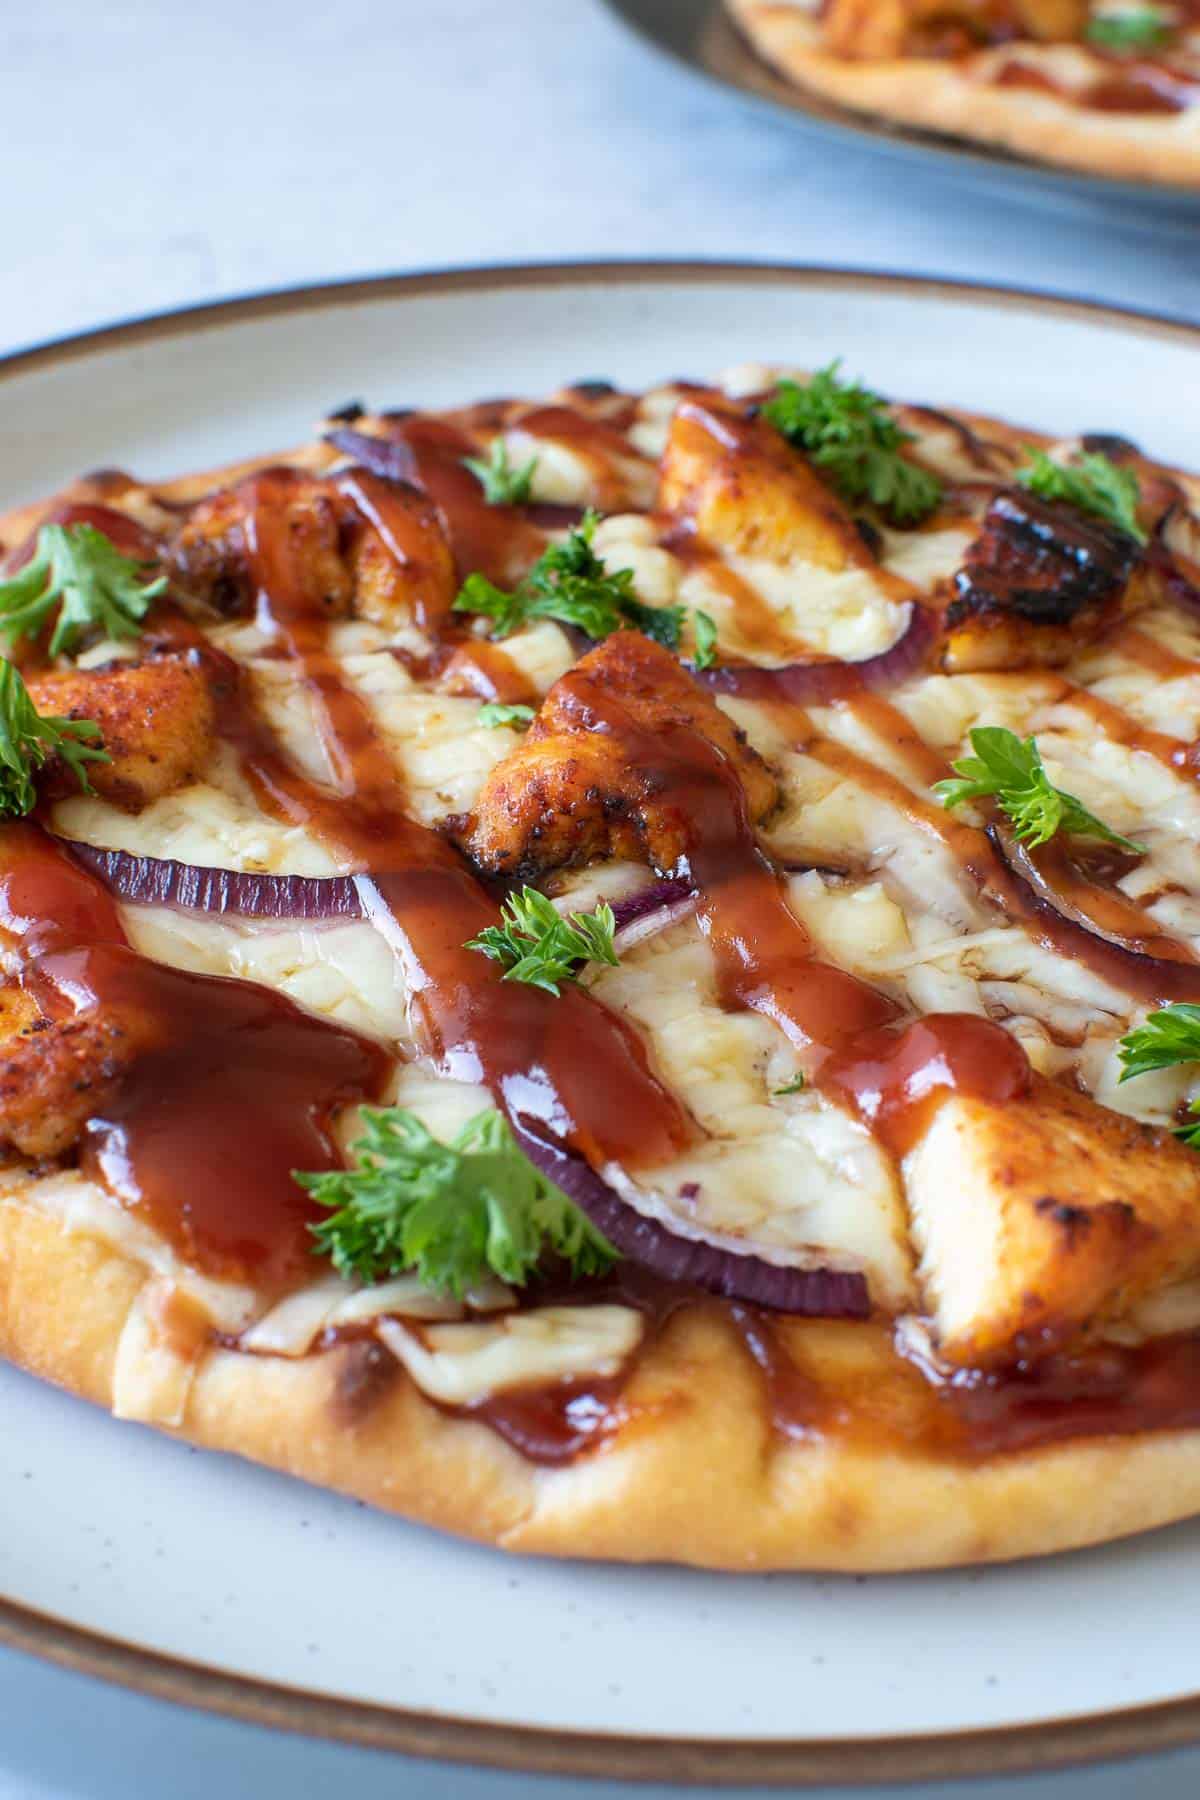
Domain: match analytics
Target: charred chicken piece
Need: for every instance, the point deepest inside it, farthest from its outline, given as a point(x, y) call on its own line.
point(361, 547)
point(743, 489)
point(1041, 579)
point(1082, 1212)
point(572, 793)
point(157, 722)
point(56, 1074)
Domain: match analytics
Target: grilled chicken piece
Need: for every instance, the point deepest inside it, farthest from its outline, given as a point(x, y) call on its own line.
point(1041, 580)
point(881, 29)
point(572, 792)
point(157, 722)
point(1038, 1220)
point(336, 535)
point(744, 489)
point(55, 1075)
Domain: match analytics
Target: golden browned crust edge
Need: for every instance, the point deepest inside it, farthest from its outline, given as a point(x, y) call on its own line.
point(697, 1475)
point(936, 96)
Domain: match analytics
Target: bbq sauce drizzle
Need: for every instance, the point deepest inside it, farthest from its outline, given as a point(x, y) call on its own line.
point(427, 901)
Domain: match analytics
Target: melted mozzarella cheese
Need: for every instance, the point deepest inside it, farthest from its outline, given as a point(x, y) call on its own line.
point(152, 1376)
point(788, 1178)
point(460, 1365)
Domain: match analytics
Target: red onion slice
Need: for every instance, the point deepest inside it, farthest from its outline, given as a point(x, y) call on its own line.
point(816, 1293)
point(634, 907)
point(821, 683)
point(161, 881)
point(392, 458)
point(1151, 978)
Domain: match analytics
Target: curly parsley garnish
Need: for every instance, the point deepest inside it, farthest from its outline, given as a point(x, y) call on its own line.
point(81, 572)
point(28, 741)
point(573, 585)
point(541, 946)
point(455, 1213)
point(1093, 484)
point(498, 712)
point(848, 433)
point(502, 484)
point(1009, 769)
point(1139, 28)
point(1165, 1038)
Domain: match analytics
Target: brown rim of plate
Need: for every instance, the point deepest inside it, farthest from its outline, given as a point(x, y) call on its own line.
point(807, 1762)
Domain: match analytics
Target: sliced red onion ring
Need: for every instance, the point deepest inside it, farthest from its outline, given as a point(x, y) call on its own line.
point(818, 1293)
point(1151, 978)
point(645, 914)
point(647, 901)
point(392, 458)
point(821, 683)
point(161, 881)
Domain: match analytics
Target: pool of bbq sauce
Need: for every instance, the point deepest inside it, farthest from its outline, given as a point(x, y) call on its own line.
point(230, 1081)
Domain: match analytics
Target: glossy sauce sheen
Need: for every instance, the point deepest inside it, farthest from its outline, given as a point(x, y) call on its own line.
point(496, 541)
point(230, 1082)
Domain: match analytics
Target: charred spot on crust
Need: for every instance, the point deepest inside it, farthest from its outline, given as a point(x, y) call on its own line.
point(366, 1370)
point(1041, 560)
point(348, 413)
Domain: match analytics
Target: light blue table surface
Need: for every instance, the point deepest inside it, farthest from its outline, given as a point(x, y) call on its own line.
point(157, 155)
point(68, 1738)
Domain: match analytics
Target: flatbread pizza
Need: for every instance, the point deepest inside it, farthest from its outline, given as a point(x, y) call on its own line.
point(620, 975)
point(1110, 87)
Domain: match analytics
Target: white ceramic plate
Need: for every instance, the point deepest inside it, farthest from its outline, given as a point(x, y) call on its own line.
point(207, 1580)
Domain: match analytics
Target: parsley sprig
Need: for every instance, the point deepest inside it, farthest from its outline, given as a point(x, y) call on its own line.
point(81, 572)
point(541, 946)
point(502, 484)
point(497, 712)
point(572, 584)
point(1093, 483)
point(28, 740)
point(455, 1213)
point(1138, 28)
point(1165, 1038)
point(704, 634)
point(853, 439)
point(1010, 770)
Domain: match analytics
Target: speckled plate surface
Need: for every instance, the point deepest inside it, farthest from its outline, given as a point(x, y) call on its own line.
point(699, 34)
point(203, 1579)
